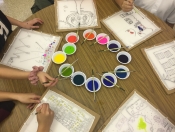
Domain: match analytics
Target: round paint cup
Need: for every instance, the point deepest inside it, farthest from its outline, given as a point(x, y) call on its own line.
point(72, 37)
point(101, 39)
point(110, 77)
point(120, 73)
point(123, 57)
point(59, 57)
point(78, 78)
point(89, 84)
point(89, 34)
point(69, 48)
point(113, 45)
point(66, 73)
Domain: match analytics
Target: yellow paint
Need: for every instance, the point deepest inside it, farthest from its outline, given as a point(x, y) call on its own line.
point(59, 58)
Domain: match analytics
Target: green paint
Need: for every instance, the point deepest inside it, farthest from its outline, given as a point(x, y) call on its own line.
point(142, 124)
point(69, 50)
point(66, 73)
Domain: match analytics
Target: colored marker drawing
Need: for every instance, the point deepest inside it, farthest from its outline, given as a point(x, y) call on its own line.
point(162, 58)
point(138, 115)
point(30, 48)
point(75, 12)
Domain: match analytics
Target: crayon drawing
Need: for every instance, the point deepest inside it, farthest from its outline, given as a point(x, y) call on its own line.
point(131, 28)
point(138, 115)
point(31, 48)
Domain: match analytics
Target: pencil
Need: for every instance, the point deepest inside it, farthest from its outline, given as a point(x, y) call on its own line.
point(110, 81)
point(99, 39)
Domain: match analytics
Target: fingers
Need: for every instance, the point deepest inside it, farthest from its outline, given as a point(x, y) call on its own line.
point(30, 106)
point(51, 83)
point(38, 109)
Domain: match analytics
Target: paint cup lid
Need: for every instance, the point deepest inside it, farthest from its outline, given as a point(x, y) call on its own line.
point(89, 84)
point(121, 75)
point(72, 37)
point(90, 33)
point(59, 57)
point(124, 57)
point(112, 45)
point(102, 40)
point(78, 78)
point(111, 77)
point(69, 48)
point(68, 72)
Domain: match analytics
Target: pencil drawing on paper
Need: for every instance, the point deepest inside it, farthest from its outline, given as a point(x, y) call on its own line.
point(138, 115)
point(30, 48)
point(75, 12)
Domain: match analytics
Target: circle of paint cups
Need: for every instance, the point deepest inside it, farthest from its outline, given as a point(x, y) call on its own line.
point(89, 34)
point(69, 48)
point(59, 57)
point(123, 57)
point(72, 37)
point(111, 77)
point(66, 73)
point(78, 78)
point(121, 72)
point(113, 46)
point(93, 82)
point(102, 38)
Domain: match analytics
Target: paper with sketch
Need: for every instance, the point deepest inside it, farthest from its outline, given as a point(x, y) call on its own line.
point(131, 27)
point(162, 58)
point(72, 12)
point(138, 115)
point(69, 117)
point(31, 48)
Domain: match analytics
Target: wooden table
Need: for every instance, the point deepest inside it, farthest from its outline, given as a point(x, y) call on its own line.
point(108, 99)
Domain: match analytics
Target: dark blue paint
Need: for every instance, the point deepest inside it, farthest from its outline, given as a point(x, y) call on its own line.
point(141, 29)
point(107, 83)
point(90, 85)
point(113, 45)
point(122, 74)
point(78, 79)
point(123, 58)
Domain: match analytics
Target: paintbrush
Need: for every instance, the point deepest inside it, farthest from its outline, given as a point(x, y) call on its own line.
point(93, 84)
point(87, 36)
point(117, 71)
point(110, 49)
point(78, 28)
point(110, 81)
point(99, 39)
point(62, 71)
point(137, 11)
point(58, 79)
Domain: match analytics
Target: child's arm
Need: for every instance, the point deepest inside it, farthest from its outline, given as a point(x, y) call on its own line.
point(126, 5)
point(28, 25)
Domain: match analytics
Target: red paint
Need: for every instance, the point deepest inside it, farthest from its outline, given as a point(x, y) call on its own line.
point(72, 39)
point(89, 35)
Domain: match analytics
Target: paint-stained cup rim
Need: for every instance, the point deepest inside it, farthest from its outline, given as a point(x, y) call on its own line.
point(95, 79)
point(73, 34)
point(78, 73)
point(114, 42)
point(124, 53)
point(89, 31)
point(113, 76)
point(122, 67)
point(69, 44)
point(101, 35)
point(63, 66)
point(59, 52)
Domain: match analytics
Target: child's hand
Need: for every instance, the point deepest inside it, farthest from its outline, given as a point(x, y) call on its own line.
point(31, 23)
point(127, 5)
point(44, 77)
point(44, 117)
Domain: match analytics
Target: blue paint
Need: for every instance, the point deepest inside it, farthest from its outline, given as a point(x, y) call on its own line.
point(112, 46)
point(122, 74)
point(141, 29)
point(107, 83)
point(90, 85)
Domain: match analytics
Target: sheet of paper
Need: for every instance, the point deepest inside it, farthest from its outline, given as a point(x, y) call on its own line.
point(69, 117)
point(31, 48)
point(138, 115)
point(162, 58)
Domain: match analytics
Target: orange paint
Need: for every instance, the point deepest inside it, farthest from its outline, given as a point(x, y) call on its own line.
point(89, 35)
point(72, 39)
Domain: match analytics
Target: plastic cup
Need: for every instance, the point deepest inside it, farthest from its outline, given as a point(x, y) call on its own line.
point(124, 57)
point(112, 45)
point(59, 57)
point(89, 84)
point(110, 77)
point(69, 48)
point(102, 40)
point(89, 34)
point(78, 78)
point(66, 73)
point(72, 37)
point(120, 73)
